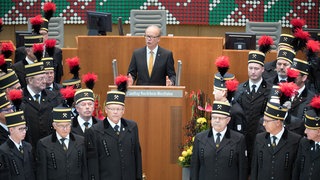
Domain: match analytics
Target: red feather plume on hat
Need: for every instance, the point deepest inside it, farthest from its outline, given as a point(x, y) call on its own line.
point(15, 96)
point(315, 104)
point(122, 83)
point(3, 64)
point(7, 49)
point(222, 63)
point(89, 79)
point(300, 39)
point(74, 67)
point(265, 43)
point(288, 90)
point(292, 74)
point(68, 94)
point(38, 50)
point(49, 8)
point(36, 23)
point(232, 85)
point(313, 45)
point(50, 45)
point(297, 24)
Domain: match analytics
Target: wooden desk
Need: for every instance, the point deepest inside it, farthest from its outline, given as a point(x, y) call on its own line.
point(160, 114)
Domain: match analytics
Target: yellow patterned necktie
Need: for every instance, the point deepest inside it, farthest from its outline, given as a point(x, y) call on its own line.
point(150, 66)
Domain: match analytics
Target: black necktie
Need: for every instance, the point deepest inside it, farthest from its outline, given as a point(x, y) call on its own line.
point(218, 140)
point(116, 129)
point(37, 98)
point(274, 138)
point(282, 81)
point(316, 147)
point(21, 149)
point(86, 125)
point(64, 146)
point(253, 91)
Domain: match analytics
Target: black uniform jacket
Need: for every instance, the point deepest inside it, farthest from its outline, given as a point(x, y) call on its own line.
point(274, 163)
point(38, 116)
point(163, 66)
point(15, 165)
point(112, 156)
point(307, 165)
point(3, 135)
point(229, 161)
point(53, 163)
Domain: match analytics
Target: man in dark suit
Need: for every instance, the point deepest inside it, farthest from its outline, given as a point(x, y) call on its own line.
point(274, 150)
point(16, 158)
point(61, 155)
point(307, 164)
point(50, 84)
point(301, 100)
point(84, 104)
point(152, 64)
point(113, 146)
point(5, 108)
point(284, 61)
point(219, 152)
point(252, 96)
point(37, 103)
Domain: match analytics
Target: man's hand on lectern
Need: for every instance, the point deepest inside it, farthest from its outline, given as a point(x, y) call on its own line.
point(130, 80)
point(168, 81)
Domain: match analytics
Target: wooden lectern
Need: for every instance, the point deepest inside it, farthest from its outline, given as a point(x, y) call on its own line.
point(160, 112)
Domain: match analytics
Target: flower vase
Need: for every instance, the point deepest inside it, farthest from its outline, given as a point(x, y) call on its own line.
point(186, 173)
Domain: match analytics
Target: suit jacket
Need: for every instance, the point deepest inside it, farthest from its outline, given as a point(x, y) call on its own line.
point(38, 116)
point(76, 129)
point(274, 163)
point(297, 110)
point(20, 54)
point(269, 70)
point(21, 72)
point(163, 66)
point(53, 163)
point(229, 161)
point(112, 156)
point(307, 164)
point(14, 164)
point(3, 135)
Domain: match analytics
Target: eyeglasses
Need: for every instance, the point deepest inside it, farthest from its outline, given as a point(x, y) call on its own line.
point(151, 37)
point(63, 126)
point(214, 118)
point(115, 109)
point(23, 129)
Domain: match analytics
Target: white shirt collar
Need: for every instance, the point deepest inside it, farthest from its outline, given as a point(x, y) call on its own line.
point(155, 50)
point(113, 124)
point(31, 92)
point(4, 126)
point(300, 90)
point(16, 144)
point(29, 61)
point(257, 84)
point(279, 135)
point(222, 133)
point(81, 121)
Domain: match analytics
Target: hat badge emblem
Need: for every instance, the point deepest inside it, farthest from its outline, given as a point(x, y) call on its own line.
point(285, 39)
point(284, 53)
point(41, 67)
point(219, 106)
point(47, 63)
point(86, 94)
point(295, 64)
point(22, 117)
point(116, 97)
point(64, 115)
point(254, 56)
point(77, 85)
point(276, 92)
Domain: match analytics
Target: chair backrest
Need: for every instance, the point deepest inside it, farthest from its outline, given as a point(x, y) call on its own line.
point(56, 30)
point(272, 29)
point(141, 19)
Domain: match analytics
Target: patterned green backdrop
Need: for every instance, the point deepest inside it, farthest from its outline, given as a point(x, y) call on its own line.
point(210, 12)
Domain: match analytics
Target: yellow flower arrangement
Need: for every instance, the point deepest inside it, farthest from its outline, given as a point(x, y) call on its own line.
point(198, 123)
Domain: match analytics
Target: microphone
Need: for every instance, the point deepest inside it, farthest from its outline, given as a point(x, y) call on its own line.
point(178, 73)
point(114, 69)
